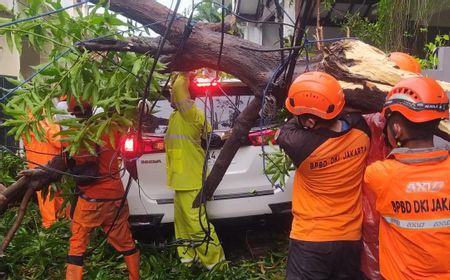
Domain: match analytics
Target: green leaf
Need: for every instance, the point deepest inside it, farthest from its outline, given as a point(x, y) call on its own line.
point(18, 43)
point(100, 130)
point(137, 66)
point(9, 40)
point(4, 20)
point(21, 128)
point(96, 19)
point(115, 21)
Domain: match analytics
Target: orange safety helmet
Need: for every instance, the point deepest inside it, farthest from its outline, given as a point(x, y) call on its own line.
point(405, 62)
point(315, 93)
point(419, 99)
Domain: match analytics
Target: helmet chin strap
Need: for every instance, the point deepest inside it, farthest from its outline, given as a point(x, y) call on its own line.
point(398, 142)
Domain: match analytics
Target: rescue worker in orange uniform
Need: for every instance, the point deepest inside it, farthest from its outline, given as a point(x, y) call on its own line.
point(329, 150)
point(98, 204)
point(39, 153)
point(412, 186)
point(378, 151)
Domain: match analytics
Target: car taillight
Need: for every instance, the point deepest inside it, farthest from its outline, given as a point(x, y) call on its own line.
point(131, 146)
point(203, 86)
point(205, 82)
point(154, 145)
point(262, 137)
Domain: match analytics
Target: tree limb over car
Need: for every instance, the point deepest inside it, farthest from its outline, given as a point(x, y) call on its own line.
point(364, 72)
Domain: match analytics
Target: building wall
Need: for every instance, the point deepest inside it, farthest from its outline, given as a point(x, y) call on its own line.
point(15, 64)
point(9, 59)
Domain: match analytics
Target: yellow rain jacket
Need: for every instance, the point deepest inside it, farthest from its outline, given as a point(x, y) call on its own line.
point(185, 158)
point(184, 153)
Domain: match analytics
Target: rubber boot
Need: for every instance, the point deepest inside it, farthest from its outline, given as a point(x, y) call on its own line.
point(132, 262)
point(74, 272)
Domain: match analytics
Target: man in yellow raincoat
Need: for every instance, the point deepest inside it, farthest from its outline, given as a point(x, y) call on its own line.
point(185, 159)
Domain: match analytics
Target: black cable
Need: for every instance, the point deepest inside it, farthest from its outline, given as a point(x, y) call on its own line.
point(51, 169)
point(155, 61)
point(298, 37)
point(207, 231)
point(229, 99)
point(207, 238)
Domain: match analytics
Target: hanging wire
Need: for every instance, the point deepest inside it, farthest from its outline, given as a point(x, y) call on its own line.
point(51, 169)
point(150, 75)
point(288, 69)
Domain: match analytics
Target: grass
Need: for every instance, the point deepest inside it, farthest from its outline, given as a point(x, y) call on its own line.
point(37, 253)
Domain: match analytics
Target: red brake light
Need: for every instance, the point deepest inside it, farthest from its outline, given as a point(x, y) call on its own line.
point(264, 136)
point(205, 82)
point(131, 147)
point(154, 145)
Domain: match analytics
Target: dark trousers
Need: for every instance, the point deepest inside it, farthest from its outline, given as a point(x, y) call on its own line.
point(333, 260)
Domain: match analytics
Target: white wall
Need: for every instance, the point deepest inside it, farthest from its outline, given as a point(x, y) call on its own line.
point(9, 59)
point(252, 32)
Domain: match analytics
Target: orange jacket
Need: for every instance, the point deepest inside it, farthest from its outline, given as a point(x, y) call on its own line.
point(326, 195)
point(110, 186)
point(41, 152)
point(413, 198)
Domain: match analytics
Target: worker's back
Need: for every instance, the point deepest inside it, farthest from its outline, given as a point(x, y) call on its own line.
point(109, 185)
point(326, 201)
point(413, 190)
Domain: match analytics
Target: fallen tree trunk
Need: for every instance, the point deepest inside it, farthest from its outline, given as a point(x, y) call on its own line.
point(364, 72)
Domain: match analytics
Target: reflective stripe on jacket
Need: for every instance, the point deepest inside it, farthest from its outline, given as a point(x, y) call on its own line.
point(413, 198)
point(184, 154)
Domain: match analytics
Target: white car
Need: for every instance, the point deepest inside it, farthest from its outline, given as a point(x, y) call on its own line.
point(244, 190)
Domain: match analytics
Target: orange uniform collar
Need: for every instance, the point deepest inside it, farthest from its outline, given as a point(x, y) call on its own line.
point(420, 155)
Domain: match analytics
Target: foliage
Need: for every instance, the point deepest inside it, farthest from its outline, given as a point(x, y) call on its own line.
point(207, 11)
point(363, 28)
point(112, 81)
point(328, 4)
point(9, 166)
point(397, 21)
point(431, 60)
point(37, 253)
point(278, 166)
